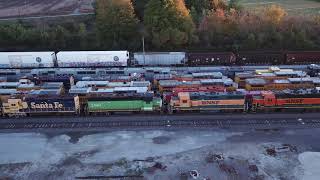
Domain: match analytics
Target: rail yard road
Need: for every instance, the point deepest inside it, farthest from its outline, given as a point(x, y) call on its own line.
point(136, 122)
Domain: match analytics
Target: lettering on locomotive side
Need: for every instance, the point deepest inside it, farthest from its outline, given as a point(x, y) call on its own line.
point(209, 102)
point(294, 101)
point(44, 105)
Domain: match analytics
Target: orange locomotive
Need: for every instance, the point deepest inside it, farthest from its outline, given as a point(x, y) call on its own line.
point(269, 101)
point(192, 101)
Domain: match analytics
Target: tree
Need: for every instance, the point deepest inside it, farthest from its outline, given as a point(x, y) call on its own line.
point(117, 25)
point(169, 24)
point(234, 4)
point(139, 6)
point(274, 14)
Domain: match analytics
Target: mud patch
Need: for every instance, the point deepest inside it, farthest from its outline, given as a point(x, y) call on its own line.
point(161, 140)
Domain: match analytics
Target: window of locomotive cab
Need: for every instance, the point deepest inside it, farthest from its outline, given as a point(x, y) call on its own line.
point(184, 101)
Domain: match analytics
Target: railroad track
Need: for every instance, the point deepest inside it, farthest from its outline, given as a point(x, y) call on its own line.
point(162, 124)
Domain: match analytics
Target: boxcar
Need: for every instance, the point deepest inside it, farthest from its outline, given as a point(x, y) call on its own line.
point(212, 58)
point(305, 57)
point(26, 59)
point(159, 59)
point(92, 58)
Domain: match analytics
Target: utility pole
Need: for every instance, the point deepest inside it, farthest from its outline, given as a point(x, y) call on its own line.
point(25, 6)
point(143, 50)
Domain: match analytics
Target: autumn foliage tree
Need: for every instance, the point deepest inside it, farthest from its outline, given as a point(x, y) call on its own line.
point(169, 24)
point(116, 24)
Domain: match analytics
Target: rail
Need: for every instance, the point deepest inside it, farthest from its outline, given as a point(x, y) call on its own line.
point(162, 124)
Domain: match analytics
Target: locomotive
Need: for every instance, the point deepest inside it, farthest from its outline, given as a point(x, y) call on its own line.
point(106, 104)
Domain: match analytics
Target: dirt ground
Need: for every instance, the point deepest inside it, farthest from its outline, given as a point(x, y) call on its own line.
point(16, 8)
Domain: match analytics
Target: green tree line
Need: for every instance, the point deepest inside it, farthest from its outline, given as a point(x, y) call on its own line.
point(169, 25)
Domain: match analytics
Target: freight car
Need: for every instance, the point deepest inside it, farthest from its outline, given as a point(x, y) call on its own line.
point(212, 58)
point(159, 59)
point(260, 58)
point(92, 58)
point(26, 59)
point(303, 57)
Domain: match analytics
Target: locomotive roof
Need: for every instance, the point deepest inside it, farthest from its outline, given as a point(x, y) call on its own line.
point(256, 81)
point(52, 85)
point(298, 80)
point(76, 90)
point(281, 81)
point(215, 74)
point(8, 91)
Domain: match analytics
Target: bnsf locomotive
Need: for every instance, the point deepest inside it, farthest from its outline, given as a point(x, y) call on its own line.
point(106, 104)
point(79, 59)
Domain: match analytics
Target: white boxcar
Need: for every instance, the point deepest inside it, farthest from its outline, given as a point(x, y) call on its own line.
point(92, 58)
point(26, 59)
point(159, 58)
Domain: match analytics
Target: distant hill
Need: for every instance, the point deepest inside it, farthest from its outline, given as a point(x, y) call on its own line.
point(24, 8)
point(291, 6)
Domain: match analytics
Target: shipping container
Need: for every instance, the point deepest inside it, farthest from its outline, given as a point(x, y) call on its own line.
point(159, 58)
point(213, 58)
point(92, 58)
point(26, 59)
